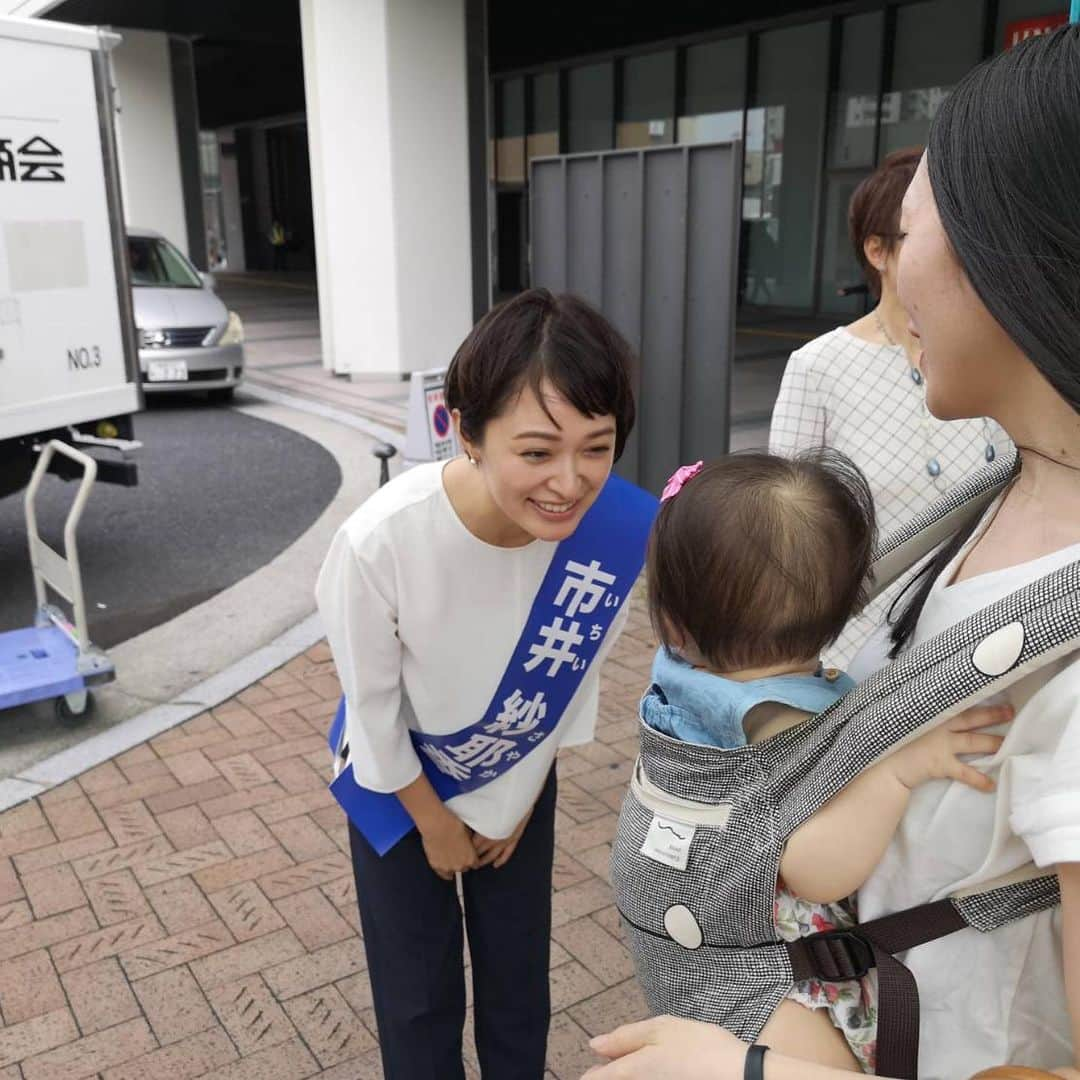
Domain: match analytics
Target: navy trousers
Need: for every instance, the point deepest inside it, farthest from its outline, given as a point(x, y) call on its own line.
point(412, 924)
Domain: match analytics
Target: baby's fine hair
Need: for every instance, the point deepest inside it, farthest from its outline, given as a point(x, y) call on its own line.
point(761, 560)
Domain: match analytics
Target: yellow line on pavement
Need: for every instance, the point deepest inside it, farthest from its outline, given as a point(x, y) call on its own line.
point(243, 279)
point(772, 333)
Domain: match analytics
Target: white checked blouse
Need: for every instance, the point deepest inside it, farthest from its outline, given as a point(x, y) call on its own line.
point(860, 398)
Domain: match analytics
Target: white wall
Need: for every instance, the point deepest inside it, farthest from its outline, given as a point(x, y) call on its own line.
point(146, 133)
point(430, 124)
point(387, 129)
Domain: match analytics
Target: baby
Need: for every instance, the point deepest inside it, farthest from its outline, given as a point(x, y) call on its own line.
point(755, 565)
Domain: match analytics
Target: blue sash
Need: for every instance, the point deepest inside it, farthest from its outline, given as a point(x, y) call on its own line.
point(590, 577)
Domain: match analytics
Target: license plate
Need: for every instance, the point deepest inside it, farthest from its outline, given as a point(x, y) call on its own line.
point(167, 371)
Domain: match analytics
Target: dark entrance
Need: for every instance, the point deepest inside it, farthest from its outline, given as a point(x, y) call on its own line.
point(511, 216)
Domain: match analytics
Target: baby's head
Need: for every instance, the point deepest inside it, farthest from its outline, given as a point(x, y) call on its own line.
point(759, 561)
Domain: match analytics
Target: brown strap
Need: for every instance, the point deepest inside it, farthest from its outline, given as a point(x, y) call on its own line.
point(836, 955)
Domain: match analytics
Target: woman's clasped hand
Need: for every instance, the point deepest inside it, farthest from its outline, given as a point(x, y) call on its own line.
point(452, 847)
point(448, 845)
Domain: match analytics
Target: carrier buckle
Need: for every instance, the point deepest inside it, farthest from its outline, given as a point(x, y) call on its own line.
point(838, 955)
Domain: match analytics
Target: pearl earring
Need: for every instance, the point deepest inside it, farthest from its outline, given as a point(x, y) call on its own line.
point(474, 462)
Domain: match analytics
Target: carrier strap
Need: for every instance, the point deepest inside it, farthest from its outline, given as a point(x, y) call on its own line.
point(836, 955)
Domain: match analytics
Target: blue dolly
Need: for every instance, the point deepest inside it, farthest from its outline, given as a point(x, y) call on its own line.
point(52, 658)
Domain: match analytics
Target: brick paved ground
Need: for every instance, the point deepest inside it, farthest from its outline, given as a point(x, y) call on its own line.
point(187, 909)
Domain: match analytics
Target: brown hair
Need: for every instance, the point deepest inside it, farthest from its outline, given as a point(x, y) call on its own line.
point(537, 336)
point(874, 209)
point(762, 559)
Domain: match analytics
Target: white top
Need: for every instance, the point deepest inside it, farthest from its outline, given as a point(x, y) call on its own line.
point(999, 997)
point(422, 618)
point(859, 398)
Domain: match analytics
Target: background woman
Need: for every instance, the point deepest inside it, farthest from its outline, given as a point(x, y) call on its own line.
point(860, 389)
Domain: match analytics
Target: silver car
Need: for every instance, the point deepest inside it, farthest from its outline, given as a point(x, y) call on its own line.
point(188, 340)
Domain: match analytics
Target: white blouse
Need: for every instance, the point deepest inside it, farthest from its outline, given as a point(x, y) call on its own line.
point(998, 997)
point(422, 618)
point(859, 398)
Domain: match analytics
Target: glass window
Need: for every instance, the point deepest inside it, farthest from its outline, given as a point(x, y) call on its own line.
point(715, 91)
point(510, 140)
point(648, 101)
point(543, 139)
point(212, 200)
point(592, 105)
point(784, 132)
point(853, 112)
point(1020, 19)
point(154, 261)
point(936, 42)
point(839, 267)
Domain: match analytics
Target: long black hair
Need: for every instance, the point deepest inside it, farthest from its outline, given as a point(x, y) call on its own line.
point(1004, 164)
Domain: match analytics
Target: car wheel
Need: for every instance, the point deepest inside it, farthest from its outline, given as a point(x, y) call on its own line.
point(223, 395)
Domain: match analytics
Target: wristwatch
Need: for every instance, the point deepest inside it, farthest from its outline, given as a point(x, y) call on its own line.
point(754, 1067)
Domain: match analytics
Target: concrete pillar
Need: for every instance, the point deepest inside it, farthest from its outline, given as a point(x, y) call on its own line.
point(388, 135)
point(150, 173)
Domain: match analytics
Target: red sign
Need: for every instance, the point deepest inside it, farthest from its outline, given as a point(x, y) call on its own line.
point(1022, 29)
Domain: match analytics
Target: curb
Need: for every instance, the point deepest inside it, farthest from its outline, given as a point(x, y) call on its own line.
point(390, 435)
point(129, 733)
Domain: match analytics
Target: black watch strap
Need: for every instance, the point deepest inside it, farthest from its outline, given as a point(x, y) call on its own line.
point(754, 1069)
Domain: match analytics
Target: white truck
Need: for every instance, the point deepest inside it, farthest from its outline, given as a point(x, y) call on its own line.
point(68, 357)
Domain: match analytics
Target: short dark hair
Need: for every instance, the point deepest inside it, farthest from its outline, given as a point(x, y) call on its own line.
point(536, 336)
point(762, 559)
point(874, 209)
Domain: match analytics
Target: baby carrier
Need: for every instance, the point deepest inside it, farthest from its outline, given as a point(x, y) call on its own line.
point(702, 928)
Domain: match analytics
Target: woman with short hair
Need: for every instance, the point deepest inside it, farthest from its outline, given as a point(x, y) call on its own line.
point(469, 605)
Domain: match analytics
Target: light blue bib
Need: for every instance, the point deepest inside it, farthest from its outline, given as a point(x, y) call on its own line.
point(700, 707)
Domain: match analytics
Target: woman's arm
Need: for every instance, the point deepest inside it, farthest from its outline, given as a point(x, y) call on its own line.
point(667, 1048)
point(834, 852)
point(1069, 877)
point(798, 419)
point(355, 596)
point(357, 606)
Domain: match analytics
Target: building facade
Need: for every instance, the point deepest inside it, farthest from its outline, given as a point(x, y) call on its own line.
point(818, 98)
point(391, 140)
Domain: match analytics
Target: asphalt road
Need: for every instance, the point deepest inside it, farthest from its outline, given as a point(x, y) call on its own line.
point(220, 494)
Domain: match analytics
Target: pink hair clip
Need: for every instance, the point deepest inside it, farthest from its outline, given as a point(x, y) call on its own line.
point(678, 478)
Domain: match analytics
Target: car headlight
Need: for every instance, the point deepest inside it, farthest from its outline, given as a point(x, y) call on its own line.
point(234, 332)
point(152, 339)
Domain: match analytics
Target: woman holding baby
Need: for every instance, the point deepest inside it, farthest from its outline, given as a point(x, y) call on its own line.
point(989, 275)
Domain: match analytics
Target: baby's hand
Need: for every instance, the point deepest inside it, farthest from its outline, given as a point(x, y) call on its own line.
point(936, 755)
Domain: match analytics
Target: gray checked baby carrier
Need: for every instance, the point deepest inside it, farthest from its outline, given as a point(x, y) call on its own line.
point(703, 935)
